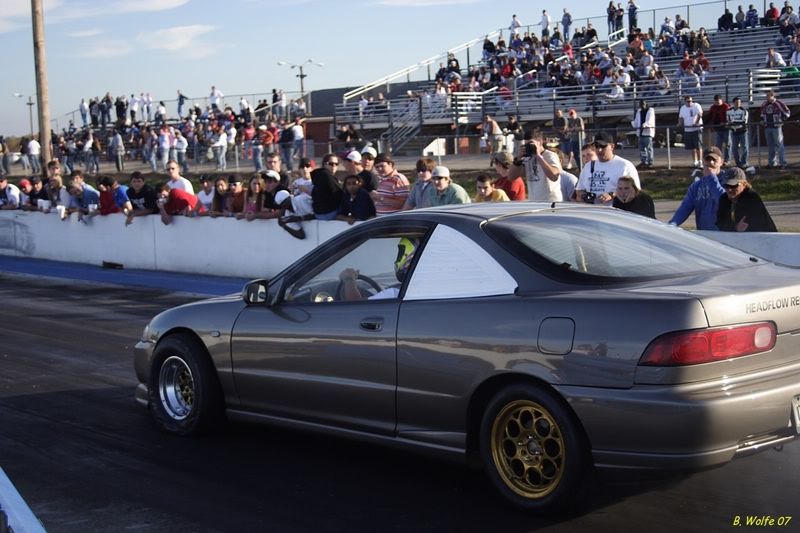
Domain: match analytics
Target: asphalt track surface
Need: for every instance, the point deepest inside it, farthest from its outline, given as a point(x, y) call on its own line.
point(87, 458)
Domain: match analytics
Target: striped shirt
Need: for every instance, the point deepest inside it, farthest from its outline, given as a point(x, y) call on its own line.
point(392, 194)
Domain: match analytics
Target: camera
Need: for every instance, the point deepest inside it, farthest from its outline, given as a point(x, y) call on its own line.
point(529, 150)
point(589, 197)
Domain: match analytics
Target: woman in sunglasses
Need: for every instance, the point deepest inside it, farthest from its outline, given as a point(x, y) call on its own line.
point(741, 208)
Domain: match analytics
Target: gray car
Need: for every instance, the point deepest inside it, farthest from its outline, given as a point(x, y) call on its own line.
point(540, 340)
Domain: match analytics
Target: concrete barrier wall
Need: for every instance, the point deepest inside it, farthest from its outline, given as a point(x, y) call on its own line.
point(229, 247)
point(219, 246)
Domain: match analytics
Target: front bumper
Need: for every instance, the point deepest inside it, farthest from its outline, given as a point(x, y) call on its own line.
point(142, 357)
point(694, 425)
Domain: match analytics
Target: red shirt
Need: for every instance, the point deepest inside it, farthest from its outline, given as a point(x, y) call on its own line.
point(718, 114)
point(515, 189)
point(179, 200)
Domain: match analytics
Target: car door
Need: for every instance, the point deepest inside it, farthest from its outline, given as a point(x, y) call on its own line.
point(319, 355)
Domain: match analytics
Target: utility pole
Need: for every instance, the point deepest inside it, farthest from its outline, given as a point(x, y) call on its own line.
point(42, 98)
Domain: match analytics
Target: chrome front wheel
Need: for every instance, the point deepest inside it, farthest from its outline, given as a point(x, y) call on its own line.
point(176, 388)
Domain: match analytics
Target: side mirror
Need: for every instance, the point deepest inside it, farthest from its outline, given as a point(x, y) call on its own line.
point(255, 292)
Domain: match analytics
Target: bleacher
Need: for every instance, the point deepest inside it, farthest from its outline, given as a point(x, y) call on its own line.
point(737, 69)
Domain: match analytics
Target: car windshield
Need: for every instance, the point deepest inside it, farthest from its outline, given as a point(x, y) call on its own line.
point(610, 244)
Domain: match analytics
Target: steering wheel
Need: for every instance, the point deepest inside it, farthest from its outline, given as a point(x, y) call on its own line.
point(361, 277)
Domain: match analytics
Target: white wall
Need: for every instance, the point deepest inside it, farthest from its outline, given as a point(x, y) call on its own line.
point(229, 247)
point(220, 246)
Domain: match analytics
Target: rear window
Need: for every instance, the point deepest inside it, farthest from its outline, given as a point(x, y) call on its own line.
point(605, 243)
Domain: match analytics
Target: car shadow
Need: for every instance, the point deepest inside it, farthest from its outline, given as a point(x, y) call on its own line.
point(92, 459)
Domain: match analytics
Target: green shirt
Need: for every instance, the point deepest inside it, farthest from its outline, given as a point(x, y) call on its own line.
point(453, 194)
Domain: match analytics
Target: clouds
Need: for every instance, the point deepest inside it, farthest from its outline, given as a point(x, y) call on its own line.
point(184, 41)
point(16, 14)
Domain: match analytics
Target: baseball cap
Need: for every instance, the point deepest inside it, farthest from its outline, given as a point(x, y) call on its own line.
point(369, 151)
point(271, 174)
point(604, 138)
point(233, 178)
point(204, 179)
point(353, 156)
point(734, 176)
point(504, 158)
point(441, 172)
point(22, 183)
point(281, 196)
point(712, 152)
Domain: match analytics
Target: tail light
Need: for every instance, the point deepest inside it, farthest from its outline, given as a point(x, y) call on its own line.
point(694, 347)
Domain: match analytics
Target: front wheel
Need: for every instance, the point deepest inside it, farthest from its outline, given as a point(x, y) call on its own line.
point(533, 450)
point(184, 391)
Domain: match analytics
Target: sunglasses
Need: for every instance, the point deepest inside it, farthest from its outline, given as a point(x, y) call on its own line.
point(600, 145)
point(731, 187)
point(332, 163)
point(437, 178)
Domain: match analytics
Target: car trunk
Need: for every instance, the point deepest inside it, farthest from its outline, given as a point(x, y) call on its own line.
point(766, 293)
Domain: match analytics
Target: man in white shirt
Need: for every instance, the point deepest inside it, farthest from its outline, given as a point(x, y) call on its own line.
point(774, 59)
point(133, 107)
point(691, 117)
point(9, 194)
point(176, 181)
point(35, 155)
point(644, 120)
point(215, 98)
point(598, 180)
point(545, 23)
point(541, 169)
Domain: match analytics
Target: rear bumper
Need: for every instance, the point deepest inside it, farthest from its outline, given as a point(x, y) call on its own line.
point(696, 425)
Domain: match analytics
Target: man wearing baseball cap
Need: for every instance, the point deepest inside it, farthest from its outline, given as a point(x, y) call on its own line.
point(354, 165)
point(703, 195)
point(444, 191)
point(598, 180)
point(9, 194)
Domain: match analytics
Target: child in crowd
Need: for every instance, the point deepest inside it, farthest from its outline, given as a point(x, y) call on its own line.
point(356, 202)
point(487, 192)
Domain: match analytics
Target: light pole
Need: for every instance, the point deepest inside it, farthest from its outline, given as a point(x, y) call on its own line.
point(30, 103)
point(302, 75)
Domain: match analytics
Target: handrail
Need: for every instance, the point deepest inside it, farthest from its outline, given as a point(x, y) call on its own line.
point(416, 66)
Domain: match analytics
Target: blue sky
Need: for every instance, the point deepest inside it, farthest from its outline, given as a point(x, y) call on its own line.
point(159, 46)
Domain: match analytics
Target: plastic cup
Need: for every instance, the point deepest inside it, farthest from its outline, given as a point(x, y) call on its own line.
point(62, 211)
point(92, 208)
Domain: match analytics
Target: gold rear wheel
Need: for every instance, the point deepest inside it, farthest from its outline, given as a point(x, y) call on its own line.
point(528, 449)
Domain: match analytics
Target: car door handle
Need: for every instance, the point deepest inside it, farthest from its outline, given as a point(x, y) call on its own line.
point(372, 324)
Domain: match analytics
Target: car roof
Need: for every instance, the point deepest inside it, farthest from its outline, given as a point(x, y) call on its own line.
point(490, 210)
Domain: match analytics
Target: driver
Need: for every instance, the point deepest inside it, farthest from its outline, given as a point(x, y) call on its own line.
point(406, 248)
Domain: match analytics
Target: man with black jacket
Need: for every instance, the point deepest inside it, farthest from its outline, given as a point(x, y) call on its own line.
point(326, 195)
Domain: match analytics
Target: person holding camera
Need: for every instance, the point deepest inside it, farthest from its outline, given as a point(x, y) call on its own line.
point(597, 183)
point(541, 169)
